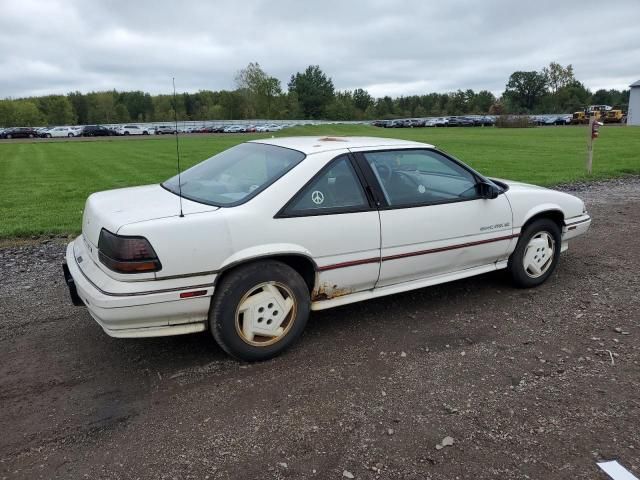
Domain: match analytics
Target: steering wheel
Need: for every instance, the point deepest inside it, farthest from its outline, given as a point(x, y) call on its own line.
point(384, 171)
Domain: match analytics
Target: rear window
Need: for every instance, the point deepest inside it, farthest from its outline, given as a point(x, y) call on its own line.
point(234, 176)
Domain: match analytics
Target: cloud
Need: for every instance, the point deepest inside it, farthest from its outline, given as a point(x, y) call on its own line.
point(391, 48)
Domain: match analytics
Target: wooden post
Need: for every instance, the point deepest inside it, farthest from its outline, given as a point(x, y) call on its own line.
point(590, 145)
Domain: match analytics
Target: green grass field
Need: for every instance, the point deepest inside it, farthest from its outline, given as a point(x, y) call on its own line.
point(44, 184)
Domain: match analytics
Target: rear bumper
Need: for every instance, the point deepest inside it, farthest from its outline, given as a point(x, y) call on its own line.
point(71, 285)
point(136, 308)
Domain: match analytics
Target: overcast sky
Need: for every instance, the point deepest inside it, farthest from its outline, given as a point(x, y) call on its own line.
point(389, 47)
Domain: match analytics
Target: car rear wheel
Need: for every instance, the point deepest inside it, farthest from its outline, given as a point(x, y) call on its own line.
point(259, 310)
point(536, 255)
point(9, 136)
point(70, 135)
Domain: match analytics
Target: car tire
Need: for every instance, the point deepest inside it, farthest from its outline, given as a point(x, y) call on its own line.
point(276, 289)
point(31, 135)
point(70, 135)
point(48, 135)
point(9, 136)
point(536, 255)
point(126, 133)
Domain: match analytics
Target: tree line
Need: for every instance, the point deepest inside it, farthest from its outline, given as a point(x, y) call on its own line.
point(309, 95)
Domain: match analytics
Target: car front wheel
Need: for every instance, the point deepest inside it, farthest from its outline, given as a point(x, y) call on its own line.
point(536, 255)
point(259, 310)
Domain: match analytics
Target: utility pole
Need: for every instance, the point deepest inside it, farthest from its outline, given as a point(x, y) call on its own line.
point(594, 127)
point(590, 144)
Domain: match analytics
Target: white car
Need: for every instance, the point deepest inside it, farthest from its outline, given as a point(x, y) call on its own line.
point(59, 132)
point(133, 130)
point(255, 237)
point(234, 129)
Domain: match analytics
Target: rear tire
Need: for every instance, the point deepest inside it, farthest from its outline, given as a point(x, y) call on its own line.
point(259, 310)
point(536, 255)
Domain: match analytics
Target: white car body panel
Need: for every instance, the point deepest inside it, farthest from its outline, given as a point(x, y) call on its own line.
point(356, 256)
point(59, 132)
point(438, 239)
point(133, 130)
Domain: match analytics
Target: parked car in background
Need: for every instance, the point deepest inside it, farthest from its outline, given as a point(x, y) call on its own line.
point(133, 130)
point(264, 234)
point(442, 122)
point(165, 130)
point(233, 129)
point(20, 132)
point(562, 119)
point(97, 131)
point(487, 121)
point(459, 121)
point(398, 123)
point(59, 132)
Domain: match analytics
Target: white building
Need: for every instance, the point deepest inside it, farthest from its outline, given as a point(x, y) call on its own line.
point(633, 116)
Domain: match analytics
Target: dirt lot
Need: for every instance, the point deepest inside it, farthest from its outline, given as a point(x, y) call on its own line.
point(533, 384)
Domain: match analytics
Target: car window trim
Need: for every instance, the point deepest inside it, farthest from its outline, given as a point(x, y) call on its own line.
point(377, 186)
point(371, 206)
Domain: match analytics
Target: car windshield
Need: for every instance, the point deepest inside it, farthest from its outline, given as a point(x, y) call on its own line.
point(235, 175)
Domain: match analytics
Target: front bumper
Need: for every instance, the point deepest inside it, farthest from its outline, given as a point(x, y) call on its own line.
point(149, 308)
point(574, 227)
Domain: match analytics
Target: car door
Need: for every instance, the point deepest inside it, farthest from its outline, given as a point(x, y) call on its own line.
point(335, 219)
point(433, 219)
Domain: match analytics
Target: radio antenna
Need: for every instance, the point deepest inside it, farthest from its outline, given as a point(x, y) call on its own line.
point(175, 119)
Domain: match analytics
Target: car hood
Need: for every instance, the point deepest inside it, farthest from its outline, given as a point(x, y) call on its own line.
point(112, 209)
point(520, 185)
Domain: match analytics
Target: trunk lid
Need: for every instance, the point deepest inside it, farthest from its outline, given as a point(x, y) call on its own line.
point(113, 209)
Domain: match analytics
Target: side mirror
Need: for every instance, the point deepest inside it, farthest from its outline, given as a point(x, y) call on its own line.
point(487, 190)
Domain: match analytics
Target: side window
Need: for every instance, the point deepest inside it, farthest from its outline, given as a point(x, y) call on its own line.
point(415, 177)
point(335, 189)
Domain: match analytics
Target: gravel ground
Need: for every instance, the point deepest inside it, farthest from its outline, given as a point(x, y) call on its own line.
point(535, 384)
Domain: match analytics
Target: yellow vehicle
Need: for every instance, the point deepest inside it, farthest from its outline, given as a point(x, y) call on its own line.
point(613, 116)
point(582, 117)
point(601, 113)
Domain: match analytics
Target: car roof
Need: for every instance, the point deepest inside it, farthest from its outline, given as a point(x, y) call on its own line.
point(309, 145)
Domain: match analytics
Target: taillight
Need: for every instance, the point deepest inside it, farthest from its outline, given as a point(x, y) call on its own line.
point(124, 254)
